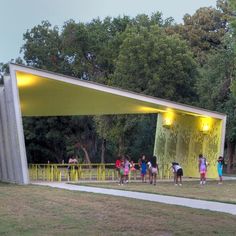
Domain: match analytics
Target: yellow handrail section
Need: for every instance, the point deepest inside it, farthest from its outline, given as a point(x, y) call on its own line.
point(89, 172)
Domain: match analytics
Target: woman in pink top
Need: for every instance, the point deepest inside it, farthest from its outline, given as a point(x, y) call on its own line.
point(202, 166)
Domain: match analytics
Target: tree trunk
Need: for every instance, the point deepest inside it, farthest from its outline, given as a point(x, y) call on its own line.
point(87, 158)
point(229, 154)
point(103, 150)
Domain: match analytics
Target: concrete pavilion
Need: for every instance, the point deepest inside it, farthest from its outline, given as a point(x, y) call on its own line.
point(182, 131)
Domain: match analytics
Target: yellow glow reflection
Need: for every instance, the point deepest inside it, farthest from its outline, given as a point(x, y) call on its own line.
point(205, 124)
point(24, 80)
point(150, 109)
point(168, 119)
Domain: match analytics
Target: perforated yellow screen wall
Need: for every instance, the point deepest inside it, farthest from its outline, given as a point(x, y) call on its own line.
point(186, 138)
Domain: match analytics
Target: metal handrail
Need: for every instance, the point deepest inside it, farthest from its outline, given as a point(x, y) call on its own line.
point(93, 171)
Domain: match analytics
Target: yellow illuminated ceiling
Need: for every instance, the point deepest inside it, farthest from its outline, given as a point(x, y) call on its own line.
point(40, 96)
point(47, 94)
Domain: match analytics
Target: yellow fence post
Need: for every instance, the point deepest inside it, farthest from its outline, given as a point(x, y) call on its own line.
point(62, 172)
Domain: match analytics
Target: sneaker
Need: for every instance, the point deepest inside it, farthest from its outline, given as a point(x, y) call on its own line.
point(204, 182)
point(180, 184)
point(201, 182)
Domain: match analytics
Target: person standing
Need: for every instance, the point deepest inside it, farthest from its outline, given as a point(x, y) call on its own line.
point(220, 169)
point(117, 166)
point(149, 166)
point(143, 168)
point(202, 166)
point(126, 169)
point(154, 170)
point(72, 160)
point(72, 167)
point(122, 170)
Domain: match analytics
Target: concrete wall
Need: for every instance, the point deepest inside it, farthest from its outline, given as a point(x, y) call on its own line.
point(13, 163)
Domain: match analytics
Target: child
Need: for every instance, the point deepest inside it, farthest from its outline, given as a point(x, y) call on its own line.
point(126, 169)
point(220, 168)
point(132, 166)
point(178, 173)
point(202, 166)
point(143, 169)
point(149, 165)
point(122, 170)
point(117, 166)
point(133, 169)
point(154, 170)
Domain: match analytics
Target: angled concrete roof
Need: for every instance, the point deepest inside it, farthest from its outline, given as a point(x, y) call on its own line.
point(44, 93)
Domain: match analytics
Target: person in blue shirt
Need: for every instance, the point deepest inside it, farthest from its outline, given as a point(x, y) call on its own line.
point(143, 167)
point(220, 168)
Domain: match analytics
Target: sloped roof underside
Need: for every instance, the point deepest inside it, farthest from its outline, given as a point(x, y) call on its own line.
point(46, 97)
point(47, 94)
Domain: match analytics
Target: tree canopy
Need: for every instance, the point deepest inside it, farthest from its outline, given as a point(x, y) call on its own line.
point(145, 54)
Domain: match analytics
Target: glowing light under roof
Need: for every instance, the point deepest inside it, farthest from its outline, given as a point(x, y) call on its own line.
point(25, 80)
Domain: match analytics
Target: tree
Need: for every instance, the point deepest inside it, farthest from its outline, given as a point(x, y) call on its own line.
point(42, 48)
point(134, 134)
point(217, 76)
point(153, 63)
point(55, 138)
point(205, 29)
point(156, 64)
point(4, 69)
point(113, 128)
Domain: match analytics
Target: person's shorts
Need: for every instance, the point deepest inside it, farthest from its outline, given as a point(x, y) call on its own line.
point(121, 171)
point(126, 172)
point(180, 172)
point(154, 170)
point(202, 172)
point(143, 172)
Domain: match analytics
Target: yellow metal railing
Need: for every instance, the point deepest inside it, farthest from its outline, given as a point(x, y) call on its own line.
point(90, 172)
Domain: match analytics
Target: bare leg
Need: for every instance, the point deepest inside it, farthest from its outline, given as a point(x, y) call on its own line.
point(201, 178)
point(175, 176)
point(180, 180)
point(204, 178)
point(155, 179)
point(150, 177)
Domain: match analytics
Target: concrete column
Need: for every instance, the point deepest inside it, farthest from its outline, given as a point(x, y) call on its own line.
point(3, 145)
point(16, 156)
point(2, 150)
point(6, 140)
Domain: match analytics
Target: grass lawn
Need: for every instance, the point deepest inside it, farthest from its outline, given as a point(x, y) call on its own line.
point(192, 189)
point(36, 210)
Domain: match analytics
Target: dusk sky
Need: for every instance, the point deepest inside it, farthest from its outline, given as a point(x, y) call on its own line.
point(19, 15)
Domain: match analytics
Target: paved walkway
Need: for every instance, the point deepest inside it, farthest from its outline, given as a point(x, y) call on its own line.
point(187, 202)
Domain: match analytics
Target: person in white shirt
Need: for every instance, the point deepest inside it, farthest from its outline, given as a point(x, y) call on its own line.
point(178, 173)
